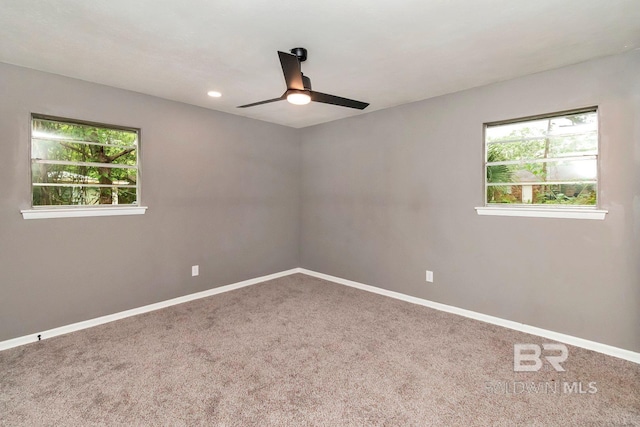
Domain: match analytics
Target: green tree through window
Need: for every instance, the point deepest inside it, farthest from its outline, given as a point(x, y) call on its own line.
point(544, 161)
point(78, 164)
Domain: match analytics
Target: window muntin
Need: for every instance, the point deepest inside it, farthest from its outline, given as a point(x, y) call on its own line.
point(548, 161)
point(83, 164)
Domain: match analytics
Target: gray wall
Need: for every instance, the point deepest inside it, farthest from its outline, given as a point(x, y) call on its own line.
point(222, 192)
point(388, 195)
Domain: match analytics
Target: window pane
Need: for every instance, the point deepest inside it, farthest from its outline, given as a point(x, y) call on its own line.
point(573, 145)
point(75, 152)
point(554, 194)
point(517, 131)
point(542, 148)
point(573, 170)
point(563, 125)
point(574, 123)
point(82, 195)
point(550, 171)
point(45, 173)
point(58, 130)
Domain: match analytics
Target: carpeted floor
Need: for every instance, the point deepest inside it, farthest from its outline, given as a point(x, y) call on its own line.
point(302, 351)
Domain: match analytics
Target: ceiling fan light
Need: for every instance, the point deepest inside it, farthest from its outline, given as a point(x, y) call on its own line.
point(299, 98)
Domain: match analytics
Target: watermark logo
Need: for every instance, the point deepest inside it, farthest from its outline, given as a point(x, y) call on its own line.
point(541, 387)
point(531, 358)
point(528, 357)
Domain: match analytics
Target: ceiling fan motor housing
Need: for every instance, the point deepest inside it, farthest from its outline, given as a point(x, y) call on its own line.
point(300, 52)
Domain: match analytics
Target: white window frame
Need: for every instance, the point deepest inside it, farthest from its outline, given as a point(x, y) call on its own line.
point(541, 211)
point(64, 211)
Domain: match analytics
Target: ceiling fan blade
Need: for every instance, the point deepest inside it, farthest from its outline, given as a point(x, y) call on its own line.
point(291, 70)
point(337, 100)
point(261, 102)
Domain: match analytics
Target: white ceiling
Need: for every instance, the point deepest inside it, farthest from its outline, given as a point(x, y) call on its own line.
point(383, 52)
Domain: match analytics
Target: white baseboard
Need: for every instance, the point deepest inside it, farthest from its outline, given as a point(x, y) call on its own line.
point(567, 339)
point(15, 342)
point(556, 336)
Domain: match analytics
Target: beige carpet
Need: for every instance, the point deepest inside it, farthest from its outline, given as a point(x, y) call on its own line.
point(302, 351)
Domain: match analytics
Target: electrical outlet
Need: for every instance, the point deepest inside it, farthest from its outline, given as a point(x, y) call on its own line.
point(429, 276)
point(195, 270)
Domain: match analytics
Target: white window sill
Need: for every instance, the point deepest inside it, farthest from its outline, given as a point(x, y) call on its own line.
point(81, 212)
point(538, 212)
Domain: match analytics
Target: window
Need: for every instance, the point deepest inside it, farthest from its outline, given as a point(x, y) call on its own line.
point(83, 165)
point(543, 162)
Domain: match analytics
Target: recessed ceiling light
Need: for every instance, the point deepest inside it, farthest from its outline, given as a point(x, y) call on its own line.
point(214, 94)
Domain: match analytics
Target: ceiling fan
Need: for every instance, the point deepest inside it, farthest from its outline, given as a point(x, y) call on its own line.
point(299, 86)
